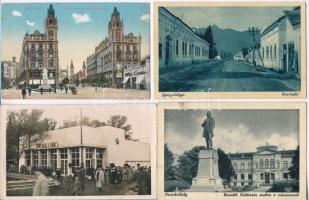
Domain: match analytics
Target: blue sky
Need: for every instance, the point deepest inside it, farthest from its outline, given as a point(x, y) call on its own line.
point(81, 26)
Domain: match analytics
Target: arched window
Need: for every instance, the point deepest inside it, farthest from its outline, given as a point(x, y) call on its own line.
point(266, 163)
point(261, 164)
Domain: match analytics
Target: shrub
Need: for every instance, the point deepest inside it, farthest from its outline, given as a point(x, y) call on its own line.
point(285, 186)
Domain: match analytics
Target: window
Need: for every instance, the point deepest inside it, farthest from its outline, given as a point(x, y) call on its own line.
point(35, 158)
point(263, 53)
point(88, 157)
point(64, 161)
point(160, 50)
point(261, 164)
point(99, 157)
point(285, 164)
point(250, 176)
point(183, 48)
point(267, 52)
point(272, 176)
point(75, 157)
point(242, 176)
point(235, 176)
point(249, 165)
point(50, 64)
point(242, 166)
point(44, 158)
point(53, 158)
point(256, 165)
point(266, 164)
point(177, 47)
point(235, 166)
point(285, 175)
point(261, 176)
point(275, 51)
point(272, 163)
point(242, 183)
point(28, 158)
point(271, 52)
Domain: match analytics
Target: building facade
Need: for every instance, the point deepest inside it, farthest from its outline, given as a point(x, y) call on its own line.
point(9, 70)
point(138, 77)
point(263, 167)
point(86, 145)
point(178, 43)
point(280, 43)
point(39, 52)
point(115, 53)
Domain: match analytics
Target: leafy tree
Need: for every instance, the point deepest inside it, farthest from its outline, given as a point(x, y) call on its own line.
point(119, 121)
point(245, 52)
point(226, 170)
point(25, 129)
point(294, 169)
point(77, 82)
point(170, 175)
point(208, 36)
point(96, 123)
point(65, 81)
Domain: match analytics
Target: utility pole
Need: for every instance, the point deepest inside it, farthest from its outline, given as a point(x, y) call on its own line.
point(253, 32)
point(81, 138)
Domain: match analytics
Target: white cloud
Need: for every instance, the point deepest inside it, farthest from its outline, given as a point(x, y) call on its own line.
point(237, 139)
point(81, 18)
point(16, 13)
point(145, 17)
point(29, 23)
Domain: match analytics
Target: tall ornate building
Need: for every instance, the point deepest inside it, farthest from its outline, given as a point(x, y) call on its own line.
point(39, 52)
point(114, 54)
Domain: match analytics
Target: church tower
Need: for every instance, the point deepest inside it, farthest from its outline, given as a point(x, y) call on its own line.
point(115, 27)
point(71, 69)
point(51, 25)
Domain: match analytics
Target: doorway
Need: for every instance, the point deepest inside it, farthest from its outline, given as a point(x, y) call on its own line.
point(168, 47)
point(267, 178)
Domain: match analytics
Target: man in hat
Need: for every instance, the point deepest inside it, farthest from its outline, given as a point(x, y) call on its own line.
point(41, 184)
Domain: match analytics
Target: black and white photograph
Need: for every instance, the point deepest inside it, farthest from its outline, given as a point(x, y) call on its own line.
point(230, 48)
point(231, 150)
point(80, 150)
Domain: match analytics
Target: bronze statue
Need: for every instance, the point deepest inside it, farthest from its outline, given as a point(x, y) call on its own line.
point(208, 129)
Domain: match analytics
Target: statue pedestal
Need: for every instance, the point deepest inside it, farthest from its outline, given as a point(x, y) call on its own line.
point(207, 179)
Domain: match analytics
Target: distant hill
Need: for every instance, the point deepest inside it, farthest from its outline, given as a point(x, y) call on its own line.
point(229, 40)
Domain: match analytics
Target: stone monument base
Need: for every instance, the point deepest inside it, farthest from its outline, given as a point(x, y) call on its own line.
point(207, 179)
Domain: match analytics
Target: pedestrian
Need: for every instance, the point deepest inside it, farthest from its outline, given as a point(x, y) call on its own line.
point(41, 184)
point(41, 90)
point(29, 91)
point(99, 178)
point(82, 177)
point(66, 89)
point(23, 92)
point(68, 179)
point(113, 173)
point(76, 182)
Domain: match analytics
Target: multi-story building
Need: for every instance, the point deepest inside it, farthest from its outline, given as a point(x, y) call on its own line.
point(115, 53)
point(280, 43)
point(263, 167)
point(40, 53)
point(178, 43)
point(9, 70)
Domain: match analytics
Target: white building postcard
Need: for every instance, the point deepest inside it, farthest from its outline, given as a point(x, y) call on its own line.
point(80, 151)
point(75, 50)
point(232, 151)
point(230, 50)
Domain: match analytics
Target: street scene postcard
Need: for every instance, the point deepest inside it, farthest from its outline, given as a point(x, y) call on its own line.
point(75, 50)
point(232, 151)
point(90, 152)
point(229, 50)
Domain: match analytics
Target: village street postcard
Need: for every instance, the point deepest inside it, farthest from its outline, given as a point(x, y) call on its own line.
point(232, 151)
point(229, 50)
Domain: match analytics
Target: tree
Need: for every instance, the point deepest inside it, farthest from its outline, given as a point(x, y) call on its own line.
point(65, 81)
point(294, 169)
point(170, 175)
point(119, 121)
point(208, 36)
point(96, 123)
point(226, 170)
point(245, 52)
point(25, 129)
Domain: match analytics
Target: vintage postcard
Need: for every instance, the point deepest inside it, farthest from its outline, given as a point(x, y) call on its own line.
point(229, 50)
point(85, 151)
point(75, 50)
point(232, 151)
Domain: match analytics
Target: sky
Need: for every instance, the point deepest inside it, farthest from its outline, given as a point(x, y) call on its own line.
point(143, 126)
point(232, 17)
point(81, 27)
point(235, 130)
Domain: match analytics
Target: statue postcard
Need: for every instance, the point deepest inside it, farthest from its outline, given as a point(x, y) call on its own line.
point(75, 50)
point(78, 152)
point(232, 151)
point(229, 50)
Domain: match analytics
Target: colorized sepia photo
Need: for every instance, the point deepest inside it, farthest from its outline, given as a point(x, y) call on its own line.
point(75, 50)
point(232, 151)
point(105, 151)
point(219, 49)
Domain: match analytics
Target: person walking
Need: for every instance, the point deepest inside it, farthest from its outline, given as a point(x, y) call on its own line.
point(41, 184)
point(24, 92)
point(66, 89)
point(99, 177)
point(29, 91)
point(82, 177)
point(41, 90)
point(76, 182)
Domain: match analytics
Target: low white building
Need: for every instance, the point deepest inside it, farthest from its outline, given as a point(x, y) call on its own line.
point(280, 43)
point(239, 56)
point(178, 43)
point(88, 145)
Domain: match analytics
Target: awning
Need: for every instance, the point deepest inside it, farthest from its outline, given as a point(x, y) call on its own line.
point(140, 79)
point(125, 79)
